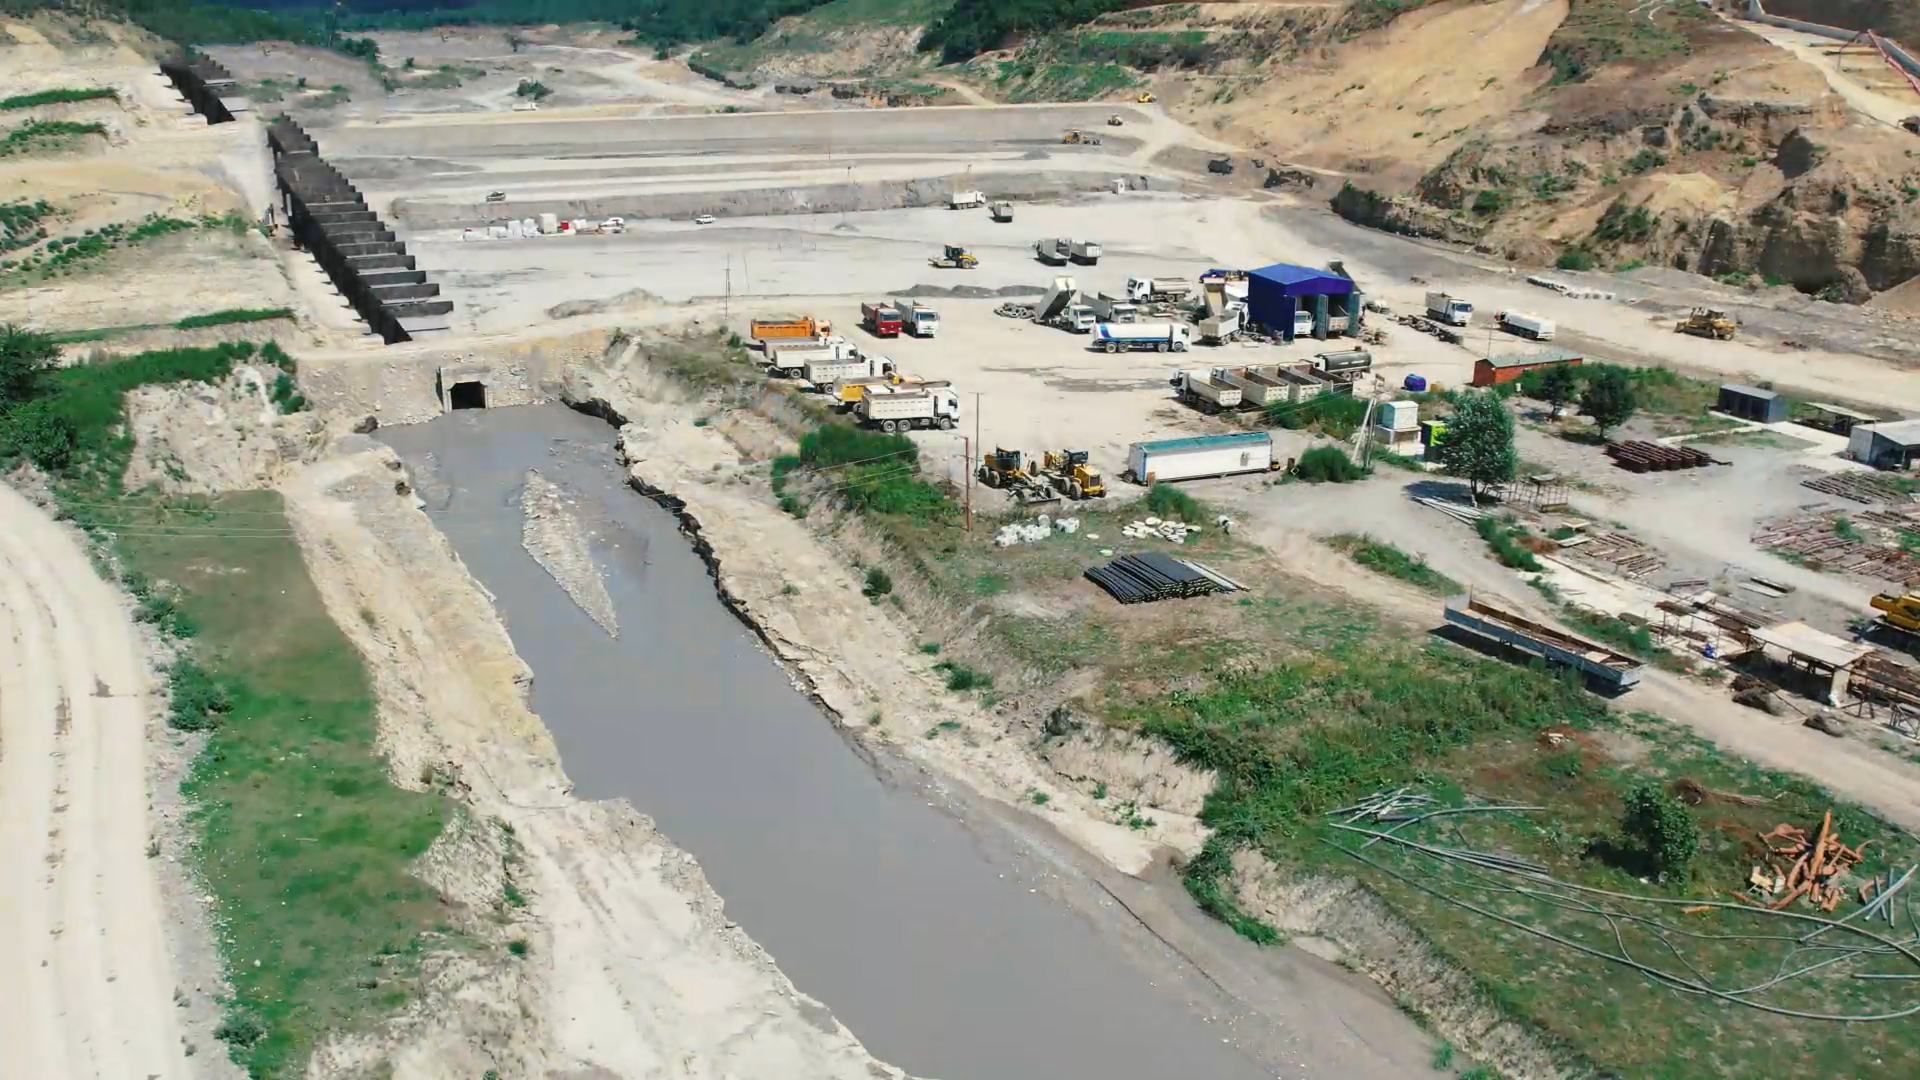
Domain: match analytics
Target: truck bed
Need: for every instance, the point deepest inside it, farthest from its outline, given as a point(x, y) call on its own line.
point(1613, 670)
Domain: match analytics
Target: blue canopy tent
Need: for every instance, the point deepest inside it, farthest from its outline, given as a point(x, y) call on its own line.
point(1277, 293)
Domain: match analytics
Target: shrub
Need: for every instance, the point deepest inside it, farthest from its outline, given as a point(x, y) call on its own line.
point(1659, 825)
point(878, 584)
point(1489, 201)
point(37, 431)
point(199, 700)
point(960, 677)
point(1165, 500)
point(1575, 259)
point(1326, 464)
point(1505, 547)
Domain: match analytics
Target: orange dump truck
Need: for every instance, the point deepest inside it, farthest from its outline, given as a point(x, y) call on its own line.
point(786, 329)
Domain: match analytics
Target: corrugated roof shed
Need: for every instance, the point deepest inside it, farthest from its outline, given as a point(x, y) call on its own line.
point(1898, 432)
point(1750, 391)
point(1302, 280)
point(1541, 356)
point(1161, 446)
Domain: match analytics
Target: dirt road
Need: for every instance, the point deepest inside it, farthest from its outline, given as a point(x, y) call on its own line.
point(85, 984)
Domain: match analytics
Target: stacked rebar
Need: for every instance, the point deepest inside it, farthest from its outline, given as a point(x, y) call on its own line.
point(1652, 457)
point(1134, 579)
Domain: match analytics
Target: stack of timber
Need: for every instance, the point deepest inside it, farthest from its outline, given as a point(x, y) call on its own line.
point(1860, 487)
point(1133, 579)
point(1628, 557)
point(1652, 457)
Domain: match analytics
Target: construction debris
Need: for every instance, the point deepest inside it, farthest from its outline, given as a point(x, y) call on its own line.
point(1176, 531)
point(1132, 579)
point(1820, 538)
point(1428, 326)
point(1630, 558)
point(1860, 487)
point(1797, 867)
point(1028, 532)
point(1638, 456)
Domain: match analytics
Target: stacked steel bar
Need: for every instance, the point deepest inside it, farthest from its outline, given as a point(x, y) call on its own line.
point(207, 86)
point(359, 253)
point(1652, 457)
point(1132, 579)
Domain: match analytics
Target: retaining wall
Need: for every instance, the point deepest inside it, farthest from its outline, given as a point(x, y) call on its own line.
point(408, 384)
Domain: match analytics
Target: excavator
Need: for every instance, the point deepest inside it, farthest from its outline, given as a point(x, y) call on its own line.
point(955, 258)
point(1708, 323)
point(1071, 475)
point(1007, 470)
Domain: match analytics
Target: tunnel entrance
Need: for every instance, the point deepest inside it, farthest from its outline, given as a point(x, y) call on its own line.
point(467, 395)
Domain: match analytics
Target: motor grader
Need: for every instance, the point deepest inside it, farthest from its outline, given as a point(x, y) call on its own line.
point(1006, 470)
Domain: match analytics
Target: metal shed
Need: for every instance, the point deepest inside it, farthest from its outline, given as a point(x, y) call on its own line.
point(1752, 403)
point(1275, 294)
point(1891, 445)
point(1495, 370)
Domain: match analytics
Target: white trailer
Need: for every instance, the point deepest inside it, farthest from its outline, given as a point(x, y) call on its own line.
point(966, 200)
point(1224, 327)
point(1205, 392)
point(1537, 327)
point(824, 372)
point(1160, 337)
point(1113, 309)
point(1168, 289)
point(1449, 309)
point(905, 408)
point(788, 361)
point(1200, 456)
point(919, 320)
point(1084, 252)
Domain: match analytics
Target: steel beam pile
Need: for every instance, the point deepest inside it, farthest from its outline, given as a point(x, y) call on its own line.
point(1652, 457)
point(1133, 579)
point(359, 253)
point(203, 83)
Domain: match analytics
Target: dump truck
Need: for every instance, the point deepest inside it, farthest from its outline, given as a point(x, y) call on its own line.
point(1113, 309)
point(966, 200)
point(826, 371)
point(847, 393)
point(789, 361)
point(787, 328)
point(1525, 324)
point(1072, 475)
point(1084, 252)
point(1001, 212)
point(1223, 328)
point(1449, 309)
point(1260, 386)
point(1061, 308)
point(1007, 470)
point(954, 257)
point(881, 320)
point(897, 408)
point(1206, 393)
point(1161, 289)
point(1054, 251)
point(919, 320)
point(1122, 337)
point(1708, 323)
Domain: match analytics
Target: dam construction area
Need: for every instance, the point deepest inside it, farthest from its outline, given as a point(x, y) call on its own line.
point(884, 543)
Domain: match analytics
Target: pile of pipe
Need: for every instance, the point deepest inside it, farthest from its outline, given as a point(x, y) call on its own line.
point(1028, 532)
point(1176, 531)
point(1133, 579)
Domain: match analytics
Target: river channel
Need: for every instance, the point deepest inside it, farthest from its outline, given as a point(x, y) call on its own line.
point(932, 928)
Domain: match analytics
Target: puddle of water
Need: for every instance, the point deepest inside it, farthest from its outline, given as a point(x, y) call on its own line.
point(933, 937)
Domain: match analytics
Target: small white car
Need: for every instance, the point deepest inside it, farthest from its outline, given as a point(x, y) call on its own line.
point(703, 219)
point(614, 225)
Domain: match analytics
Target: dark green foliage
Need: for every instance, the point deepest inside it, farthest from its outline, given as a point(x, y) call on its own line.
point(1165, 500)
point(1623, 224)
point(198, 699)
point(20, 223)
point(976, 26)
point(1335, 415)
point(871, 470)
point(25, 358)
point(1479, 443)
point(1622, 635)
point(1556, 385)
point(56, 97)
point(37, 431)
point(1646, 160)
point(531, 88)
point(961, 677)
point(40, 135)
point(233, 315)
point(1661, 829)
point(878, 583)
point(1608, 399)
point(1489, 201)
point(1505, 547)
point(1576, 258)
point(1327, 464)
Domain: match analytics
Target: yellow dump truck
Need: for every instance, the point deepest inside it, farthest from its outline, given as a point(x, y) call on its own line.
point(785, 328)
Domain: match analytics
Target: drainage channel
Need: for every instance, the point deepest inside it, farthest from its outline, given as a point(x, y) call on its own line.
point(954, 944)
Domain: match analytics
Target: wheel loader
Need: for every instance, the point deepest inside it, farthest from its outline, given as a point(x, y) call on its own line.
point(1007, 470)
point(1071, 475)
point(954, 258)
point(1708, 323)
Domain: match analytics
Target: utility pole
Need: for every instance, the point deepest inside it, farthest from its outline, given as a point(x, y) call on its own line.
point(966, 476)
point(726, 304)
point(976, 442)
point(1366, 423)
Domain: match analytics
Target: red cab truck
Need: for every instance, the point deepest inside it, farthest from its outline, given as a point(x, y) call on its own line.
point(881, 320)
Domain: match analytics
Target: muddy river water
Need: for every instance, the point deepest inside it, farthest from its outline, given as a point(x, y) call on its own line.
point(953, 942)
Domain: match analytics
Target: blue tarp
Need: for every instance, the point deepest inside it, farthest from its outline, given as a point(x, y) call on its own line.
point(1275, 293)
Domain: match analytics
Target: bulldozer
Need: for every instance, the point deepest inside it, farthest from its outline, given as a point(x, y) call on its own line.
point(1071, 475)
point(1076, 137)
point(1007, 470)
point(1709, 323)
point(955, 258)
point(1144, 97)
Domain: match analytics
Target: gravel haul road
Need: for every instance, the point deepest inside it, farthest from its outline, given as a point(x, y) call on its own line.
point(85, 984)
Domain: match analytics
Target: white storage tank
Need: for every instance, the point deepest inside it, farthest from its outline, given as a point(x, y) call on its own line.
point(1200, 455)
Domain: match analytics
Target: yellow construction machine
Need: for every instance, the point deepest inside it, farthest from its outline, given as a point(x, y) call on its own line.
point(955, 258)
point(1007, 470)
point(1071, 475)
point(1144, 97)
point(1899, 612)
point(1115, 121)
point(1709, 323)
point(1076, 137)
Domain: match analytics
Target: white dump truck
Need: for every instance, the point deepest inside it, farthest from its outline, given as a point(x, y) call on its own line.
point(787, 360)
point(1124, 337)
point(823, 373)
point(966, 200)
point(1167, 289)
point(1084, 252)
point(918, 319)
point(1054, 251)
point(1113, 309)
point(1224, 327)
point(1449, 309)
point(902, 408)
point(1537, 327)
point(1204, 391)
point(1062, 308)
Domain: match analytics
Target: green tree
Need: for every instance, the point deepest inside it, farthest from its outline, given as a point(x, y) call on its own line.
point(1559, 385)
point(1608, 399)
point(38, 431)
point(1478, 447)
point(24, 357)
point(1661, 828)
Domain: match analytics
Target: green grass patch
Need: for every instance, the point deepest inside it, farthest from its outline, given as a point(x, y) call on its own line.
point(1386, 559)
point(1167, 501)
point(1599, 32)
point(1629, 638)
point(63, 256)
point(233, 315)
point(46, 136)
point(1503, 539)
point(22, 223)
point(57, 97)
point(1336, 416)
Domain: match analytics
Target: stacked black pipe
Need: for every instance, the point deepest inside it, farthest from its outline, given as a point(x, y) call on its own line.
point(1134, 579)
point(202, 81)
point(329, 217)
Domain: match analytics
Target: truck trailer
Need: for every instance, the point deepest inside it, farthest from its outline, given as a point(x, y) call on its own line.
point(1613, 671)
point(1526, 325)
point(826, 371)
point(1124, 337)
point(1001, 211)
point(1084, 252)
point(881, 320)
point(1053, 251)
point(1061, 307)
point(1200, 456)
point(1224, 327)
point(789, 361)
point(1205, 391)
point(894, 409)
point(1260, 386)
point(966, 200)
point(1449, 309)
point(788, 328)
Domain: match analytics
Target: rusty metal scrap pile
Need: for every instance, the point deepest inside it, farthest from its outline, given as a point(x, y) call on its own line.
point(1814, 535)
